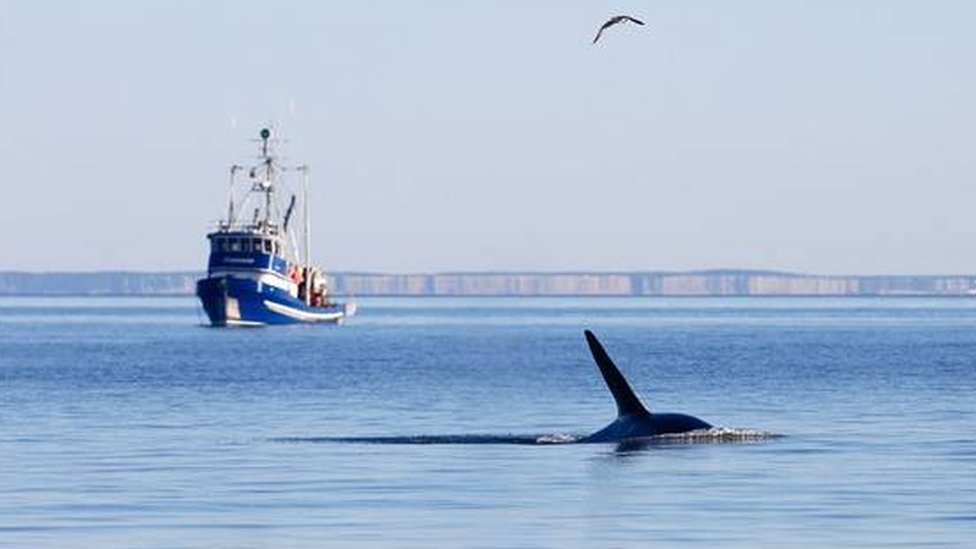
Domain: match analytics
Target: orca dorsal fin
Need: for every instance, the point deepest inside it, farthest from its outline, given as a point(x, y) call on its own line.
point(627, 401)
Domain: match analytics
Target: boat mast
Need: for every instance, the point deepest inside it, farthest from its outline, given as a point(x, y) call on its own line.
point(268, 183)
point(307, 237)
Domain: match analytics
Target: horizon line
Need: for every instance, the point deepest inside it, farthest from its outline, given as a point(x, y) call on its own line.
point(577, 272)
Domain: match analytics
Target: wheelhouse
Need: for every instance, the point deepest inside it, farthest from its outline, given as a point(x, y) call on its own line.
point(243, 243)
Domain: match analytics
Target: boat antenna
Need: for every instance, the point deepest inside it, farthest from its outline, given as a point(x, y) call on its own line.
point(230, 195)
point(265, 135)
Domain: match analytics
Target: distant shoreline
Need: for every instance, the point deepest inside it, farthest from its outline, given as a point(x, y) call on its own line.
point(515, 284)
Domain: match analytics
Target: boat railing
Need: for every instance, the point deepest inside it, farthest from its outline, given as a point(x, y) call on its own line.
point(261, 227)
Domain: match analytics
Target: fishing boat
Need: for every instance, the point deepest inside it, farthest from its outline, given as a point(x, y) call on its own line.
point(259, 271)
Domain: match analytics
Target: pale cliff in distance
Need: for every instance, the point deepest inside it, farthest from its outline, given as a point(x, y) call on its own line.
point(696, 283)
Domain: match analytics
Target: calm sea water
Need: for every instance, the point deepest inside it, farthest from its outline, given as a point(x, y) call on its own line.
point(125, 423)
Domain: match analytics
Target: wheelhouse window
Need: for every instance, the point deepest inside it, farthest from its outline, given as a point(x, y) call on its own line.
point(268, 247)
point(256, 246)
point(277, 248)
point(235, 244)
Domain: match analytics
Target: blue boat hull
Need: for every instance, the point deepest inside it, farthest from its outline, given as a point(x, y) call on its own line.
point(235, 301)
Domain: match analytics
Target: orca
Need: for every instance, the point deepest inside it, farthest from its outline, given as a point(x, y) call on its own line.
point(634, 429)
point(634, 420)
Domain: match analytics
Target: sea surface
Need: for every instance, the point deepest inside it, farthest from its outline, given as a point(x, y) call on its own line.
point(125, 422)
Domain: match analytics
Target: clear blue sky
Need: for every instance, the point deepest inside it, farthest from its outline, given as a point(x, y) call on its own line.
point(827, 136)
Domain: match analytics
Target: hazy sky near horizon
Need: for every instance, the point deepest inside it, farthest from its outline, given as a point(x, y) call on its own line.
point(826, 136)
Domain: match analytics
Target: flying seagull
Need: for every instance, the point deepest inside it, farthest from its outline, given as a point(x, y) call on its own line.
point(615, 20)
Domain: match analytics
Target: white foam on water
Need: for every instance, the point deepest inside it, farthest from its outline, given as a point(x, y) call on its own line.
point(718, 435)
point(556, 438)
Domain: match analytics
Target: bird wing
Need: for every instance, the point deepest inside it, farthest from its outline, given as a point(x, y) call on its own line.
point(613, 21)
point(598, 33)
